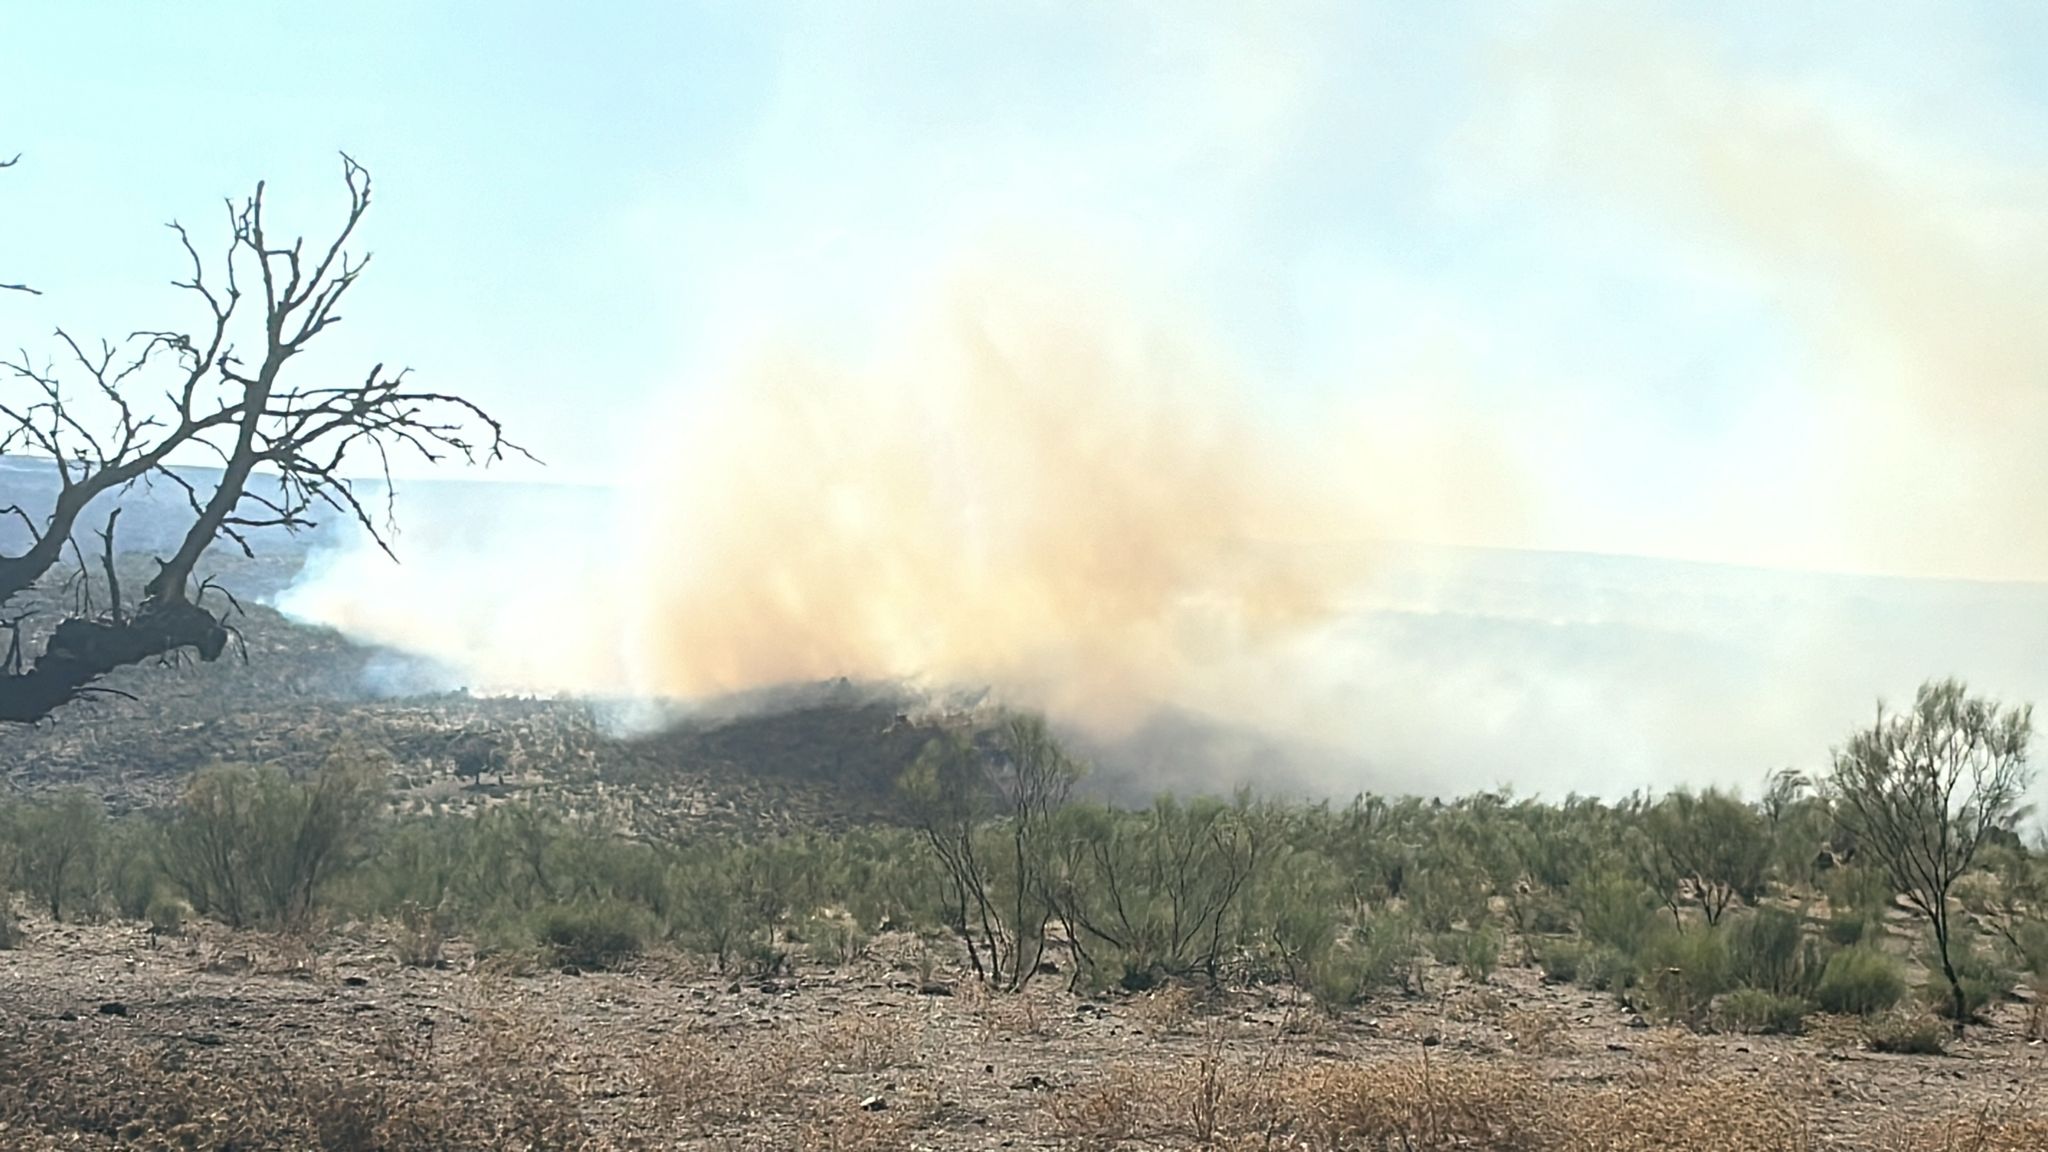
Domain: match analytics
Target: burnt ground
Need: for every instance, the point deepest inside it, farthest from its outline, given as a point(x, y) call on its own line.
point(898, 1050)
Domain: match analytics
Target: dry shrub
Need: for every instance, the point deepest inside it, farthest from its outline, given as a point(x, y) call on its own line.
point(533, 1109)
point(2006, 1127)
point(1166, 1010)
point(863, 1044)
point(1537, 1032)
point(698, 1079)
point(420, 937)
point(1429, 1103)
point(1007, 1014)
point(1424, 1103)
point(1104, 1112)
point(849, 1127)
point(1674, 1115)
point(1907, 1034)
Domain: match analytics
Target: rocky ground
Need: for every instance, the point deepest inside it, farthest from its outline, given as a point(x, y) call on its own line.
point(113, 1038)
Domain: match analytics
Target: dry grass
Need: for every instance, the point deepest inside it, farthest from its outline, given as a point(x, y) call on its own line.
point(2007, 1127)
point(1537, 1031)
point(1167, 1011)
point(1422, 1104)
point(864, 1044)
point(699, 1080)
point(999, 1014)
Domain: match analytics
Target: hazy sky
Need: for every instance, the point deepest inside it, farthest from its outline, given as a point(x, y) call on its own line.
point(1753, 282)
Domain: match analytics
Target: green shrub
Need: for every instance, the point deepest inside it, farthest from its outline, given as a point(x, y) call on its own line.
point(1682, 972)
point(1758, 1011)
point(1860, 981)
point(1907, 1035)
point(253, 844)
point(1616, 912)
point(166, 915)
point(60, 849)
point(1562, 959)
point(1769, 950)
point(1597, 969)
point(593, 936)
point(2030, 948)
point(1378, 955)
point(1848, 929)
point(1479, 954)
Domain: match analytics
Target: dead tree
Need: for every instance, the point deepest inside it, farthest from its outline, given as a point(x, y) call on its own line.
point(116, 414)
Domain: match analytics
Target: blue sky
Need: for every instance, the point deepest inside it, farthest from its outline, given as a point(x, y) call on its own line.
point(1588, 240)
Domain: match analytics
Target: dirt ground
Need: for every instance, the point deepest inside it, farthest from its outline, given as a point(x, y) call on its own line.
point(669, 1054)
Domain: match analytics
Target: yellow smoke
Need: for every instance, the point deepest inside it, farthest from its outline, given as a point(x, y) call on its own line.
point(1027, 494)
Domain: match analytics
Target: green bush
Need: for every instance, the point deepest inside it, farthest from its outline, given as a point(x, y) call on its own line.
point(1617, 913)
point(60, 849)
point(1682, 972)
point(1576, 962)
point(2030, 948)
point(1758, 1011)
point(166, 915)
point(592, 936)
point(1907, 1035)
point(253, 844)
point(1562, 959)
point(1479, 954)
point(1379, 954)
point(1849, 929)
point(1860, 981)
point(1769, 950)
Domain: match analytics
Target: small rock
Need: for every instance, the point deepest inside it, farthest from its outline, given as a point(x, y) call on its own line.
point(356, 981)
point(113, 1008)
point(873, 1104)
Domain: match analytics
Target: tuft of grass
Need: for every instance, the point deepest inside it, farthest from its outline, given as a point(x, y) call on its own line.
point(1756, 1011)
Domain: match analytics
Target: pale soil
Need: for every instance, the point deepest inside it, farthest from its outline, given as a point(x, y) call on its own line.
point(672, 1055)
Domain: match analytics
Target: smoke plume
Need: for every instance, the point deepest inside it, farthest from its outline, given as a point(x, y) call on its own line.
point(1024, 490)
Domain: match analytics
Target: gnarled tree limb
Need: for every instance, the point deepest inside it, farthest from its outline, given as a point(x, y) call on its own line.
point(238, 409)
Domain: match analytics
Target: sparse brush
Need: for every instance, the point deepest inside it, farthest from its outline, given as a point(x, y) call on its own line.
point(420, 939)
